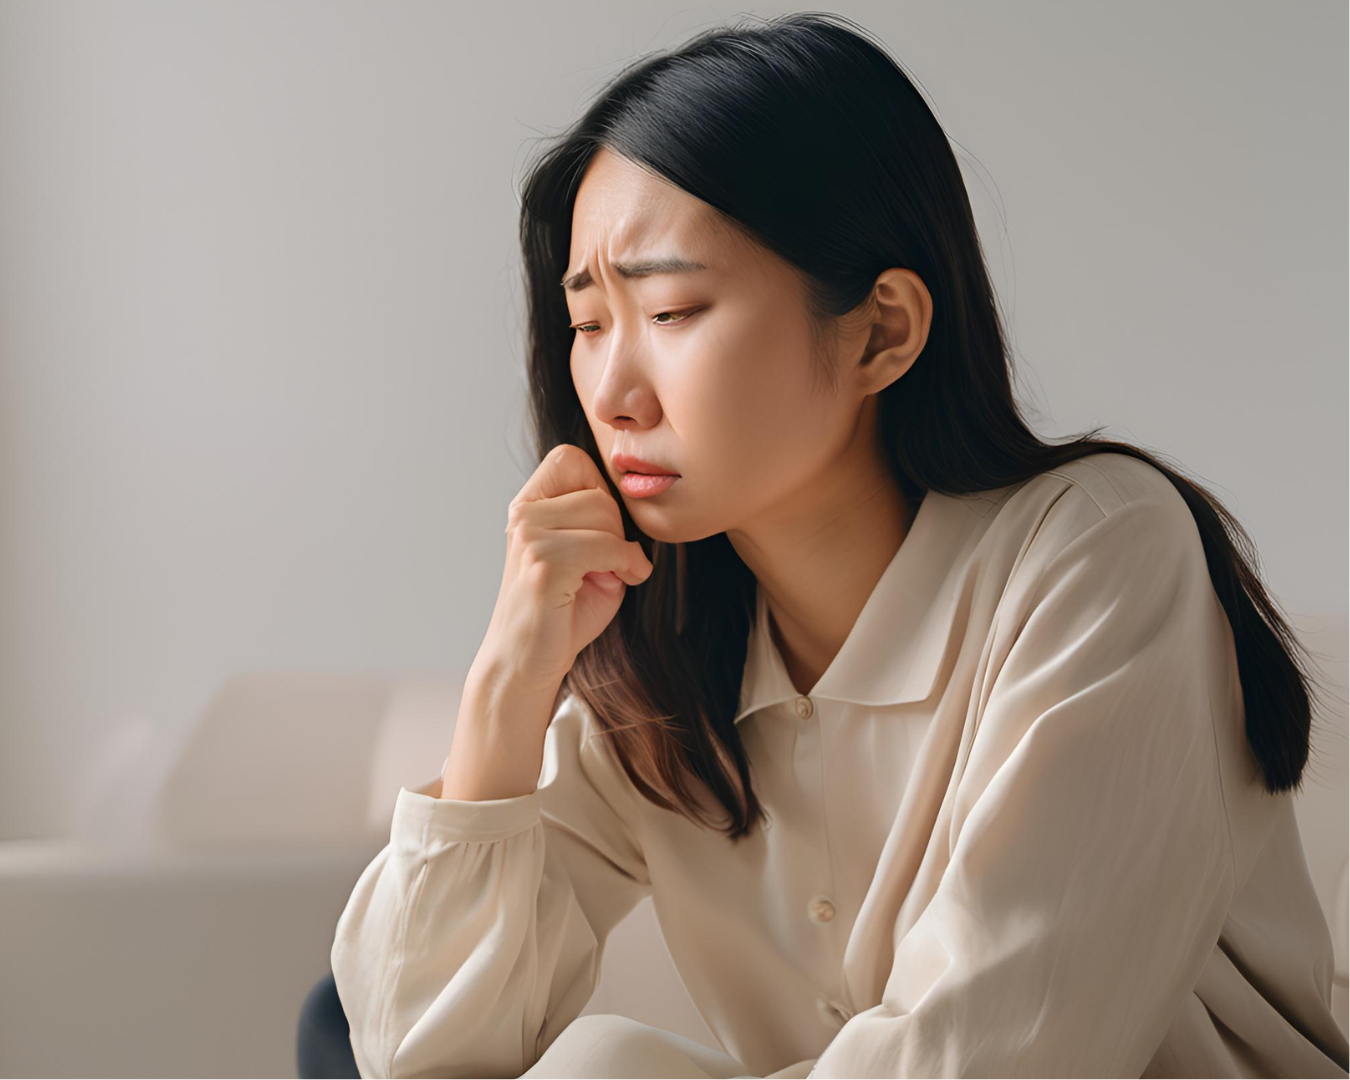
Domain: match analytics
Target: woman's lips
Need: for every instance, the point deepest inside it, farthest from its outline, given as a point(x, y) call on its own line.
point(643, 485)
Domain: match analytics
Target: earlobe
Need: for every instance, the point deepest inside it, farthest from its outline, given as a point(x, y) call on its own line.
point(890, 364)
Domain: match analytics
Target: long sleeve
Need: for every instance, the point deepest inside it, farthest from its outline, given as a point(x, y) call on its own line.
point(475, 935)
point(1089, 862)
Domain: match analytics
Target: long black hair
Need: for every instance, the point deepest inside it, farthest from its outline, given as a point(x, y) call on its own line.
point(810, 139)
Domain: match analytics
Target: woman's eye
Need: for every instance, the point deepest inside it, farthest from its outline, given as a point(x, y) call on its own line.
point(680, 317)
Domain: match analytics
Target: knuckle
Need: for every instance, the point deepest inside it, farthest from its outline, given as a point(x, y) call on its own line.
point(521, 546)
point(530, 541)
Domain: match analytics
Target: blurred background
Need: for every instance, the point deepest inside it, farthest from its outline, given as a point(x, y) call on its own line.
point(262, 410)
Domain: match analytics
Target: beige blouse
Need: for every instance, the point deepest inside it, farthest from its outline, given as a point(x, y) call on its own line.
point(1015, 830)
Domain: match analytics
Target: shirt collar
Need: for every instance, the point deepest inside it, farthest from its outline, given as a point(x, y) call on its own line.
point(895, 649)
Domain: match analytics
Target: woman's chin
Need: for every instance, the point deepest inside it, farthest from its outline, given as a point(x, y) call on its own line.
point(664, 525)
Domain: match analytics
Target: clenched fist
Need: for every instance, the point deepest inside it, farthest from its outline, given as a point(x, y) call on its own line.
point(567, 568)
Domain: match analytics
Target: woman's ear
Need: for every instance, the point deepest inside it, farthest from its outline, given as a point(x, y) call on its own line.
point(902, 313)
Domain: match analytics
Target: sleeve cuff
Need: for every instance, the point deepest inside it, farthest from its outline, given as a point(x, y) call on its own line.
point(420, 818)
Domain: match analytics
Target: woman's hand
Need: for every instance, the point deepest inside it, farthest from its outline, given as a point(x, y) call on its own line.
point(567, 569)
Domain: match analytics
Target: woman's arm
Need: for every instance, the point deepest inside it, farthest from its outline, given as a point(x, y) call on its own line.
point(475, 936)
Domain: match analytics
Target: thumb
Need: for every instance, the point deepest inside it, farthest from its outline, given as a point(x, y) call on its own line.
point(607, 580)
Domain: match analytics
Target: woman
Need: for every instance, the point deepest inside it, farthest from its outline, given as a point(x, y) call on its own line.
point(942, 751)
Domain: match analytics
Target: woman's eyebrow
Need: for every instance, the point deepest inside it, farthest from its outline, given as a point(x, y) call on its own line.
point(666, 264)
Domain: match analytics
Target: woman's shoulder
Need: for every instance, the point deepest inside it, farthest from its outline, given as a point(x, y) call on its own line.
point(1107, 479)
point(1113, 480)
point(1041, 516)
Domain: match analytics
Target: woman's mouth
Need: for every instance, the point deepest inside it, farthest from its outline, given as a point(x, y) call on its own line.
point(644, 485)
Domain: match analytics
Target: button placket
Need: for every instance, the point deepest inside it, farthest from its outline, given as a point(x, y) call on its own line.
point(821, 909)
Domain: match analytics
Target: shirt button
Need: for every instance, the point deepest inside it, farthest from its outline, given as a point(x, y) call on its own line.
point(821, 909)
point(805, 708)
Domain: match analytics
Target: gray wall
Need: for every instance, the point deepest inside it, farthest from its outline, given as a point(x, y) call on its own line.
point(261, 391)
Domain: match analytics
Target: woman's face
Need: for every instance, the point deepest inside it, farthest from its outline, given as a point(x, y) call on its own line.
point(705, 372)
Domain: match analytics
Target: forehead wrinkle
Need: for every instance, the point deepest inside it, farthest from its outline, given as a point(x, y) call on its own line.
point(638, 253)
point(649, 229)
point(644, 225)
point(638, 268)
point(633, 233)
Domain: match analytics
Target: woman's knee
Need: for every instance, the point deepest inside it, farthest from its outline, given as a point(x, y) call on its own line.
point(599, 1033)
point(612, 1045)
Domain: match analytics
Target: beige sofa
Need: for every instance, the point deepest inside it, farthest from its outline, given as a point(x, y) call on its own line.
point(178, 933)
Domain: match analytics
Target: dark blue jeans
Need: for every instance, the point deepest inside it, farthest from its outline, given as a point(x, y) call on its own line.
point(322, 1045)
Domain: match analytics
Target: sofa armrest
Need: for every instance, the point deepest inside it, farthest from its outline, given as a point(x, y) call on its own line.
point(171, 962)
